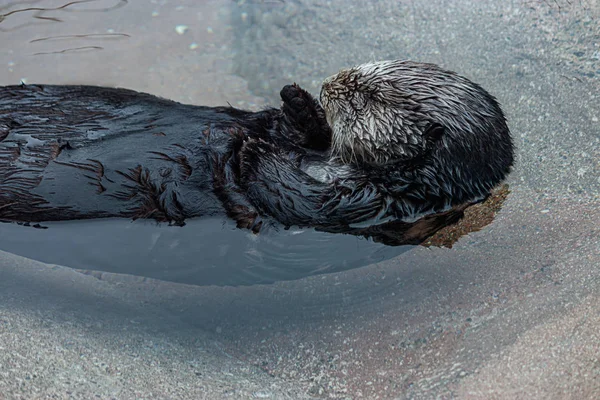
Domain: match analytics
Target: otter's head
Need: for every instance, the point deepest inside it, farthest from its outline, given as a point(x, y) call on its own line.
point(391, 111)
point(398, 111)
point(375, 113)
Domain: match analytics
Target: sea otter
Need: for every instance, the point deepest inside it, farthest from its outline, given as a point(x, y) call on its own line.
point(394, 141)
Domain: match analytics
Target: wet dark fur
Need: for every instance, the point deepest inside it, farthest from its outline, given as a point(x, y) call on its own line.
point(79, 152)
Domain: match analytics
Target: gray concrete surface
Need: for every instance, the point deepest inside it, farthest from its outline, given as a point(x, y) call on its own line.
point(511, 312)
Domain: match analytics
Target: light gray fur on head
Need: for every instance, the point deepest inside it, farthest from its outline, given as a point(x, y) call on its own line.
point(379, 112)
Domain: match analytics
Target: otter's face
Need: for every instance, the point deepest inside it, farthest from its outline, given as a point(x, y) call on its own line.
point(372, 116)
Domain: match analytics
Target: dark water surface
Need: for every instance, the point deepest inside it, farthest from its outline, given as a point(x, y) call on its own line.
point(510, 311)
point(209, 251)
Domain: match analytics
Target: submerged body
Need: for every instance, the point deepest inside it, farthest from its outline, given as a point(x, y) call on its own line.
point(399, 150)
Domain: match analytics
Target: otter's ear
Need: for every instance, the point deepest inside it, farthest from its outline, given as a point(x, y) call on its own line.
point(434, 132)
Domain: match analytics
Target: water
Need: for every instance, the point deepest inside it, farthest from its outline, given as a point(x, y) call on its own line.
point(207, 251)
point(490, 317)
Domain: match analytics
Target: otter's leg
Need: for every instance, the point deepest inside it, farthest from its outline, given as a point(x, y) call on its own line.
point(239, 209)
point(235, 204)
point(304, 119)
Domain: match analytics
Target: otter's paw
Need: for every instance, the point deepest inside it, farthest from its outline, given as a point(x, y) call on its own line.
point(306, 121)
point(297, 103)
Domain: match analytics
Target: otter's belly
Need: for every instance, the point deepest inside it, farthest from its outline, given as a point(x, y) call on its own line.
point(81, 152)
point(206, 251)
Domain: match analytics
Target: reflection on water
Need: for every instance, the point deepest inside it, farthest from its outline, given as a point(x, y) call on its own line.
point(204, 252)
point(40, 12)
point(77, 49)
point(484, 319)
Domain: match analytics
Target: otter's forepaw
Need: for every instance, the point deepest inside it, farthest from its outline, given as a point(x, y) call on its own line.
point(306, 121)
point(297, 103)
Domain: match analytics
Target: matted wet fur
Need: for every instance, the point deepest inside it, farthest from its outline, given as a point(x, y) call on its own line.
point(80, 152)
